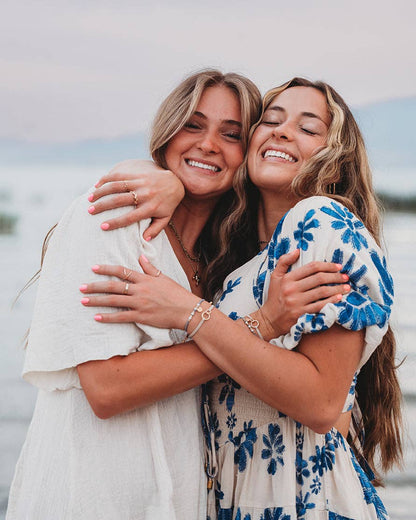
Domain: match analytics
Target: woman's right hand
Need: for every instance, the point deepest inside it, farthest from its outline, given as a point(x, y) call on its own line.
point(157, 192)
point(306, 289)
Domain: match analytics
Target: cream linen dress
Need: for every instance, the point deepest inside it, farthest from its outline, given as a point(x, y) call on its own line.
point(144, 464)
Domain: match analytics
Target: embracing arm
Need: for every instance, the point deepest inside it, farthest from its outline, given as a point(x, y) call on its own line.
point(309, 384)
point(122, 383)
point(157, 192)
point(119, 384)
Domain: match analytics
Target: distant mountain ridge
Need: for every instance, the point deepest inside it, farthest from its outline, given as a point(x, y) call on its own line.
point(388, 129)
point(389, 132)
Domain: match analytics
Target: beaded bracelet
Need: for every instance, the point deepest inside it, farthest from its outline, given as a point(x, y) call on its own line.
point(205, 316)
point(253, 325)
point(196, 308)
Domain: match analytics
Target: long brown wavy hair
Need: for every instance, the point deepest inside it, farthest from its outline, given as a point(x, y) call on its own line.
point(339, 170)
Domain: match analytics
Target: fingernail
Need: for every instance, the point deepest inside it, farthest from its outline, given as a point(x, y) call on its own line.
point(91, 197)
point(346, 288)
point(145, 259)
point(97, 184)
point(85, 300)
point(339, 266)
point(345, 277)
point(91, 209)
point(148, 239)
point(95, 268)
point(105, 226)
point(98, 317)
point(83, 287)
point(338, 297)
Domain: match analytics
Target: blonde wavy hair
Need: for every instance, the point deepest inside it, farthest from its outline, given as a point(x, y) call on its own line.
point(172, 115)
point(340, 170)
point(181, 103)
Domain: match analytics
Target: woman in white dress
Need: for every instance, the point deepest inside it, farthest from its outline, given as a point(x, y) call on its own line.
point(138, 463)
point(278, 423)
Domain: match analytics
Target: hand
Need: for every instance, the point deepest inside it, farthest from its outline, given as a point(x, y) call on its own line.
point(158, 193)
point(303, 290)
point(150, 298)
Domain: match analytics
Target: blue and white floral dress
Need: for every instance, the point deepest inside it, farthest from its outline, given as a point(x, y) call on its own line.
point(266, 466)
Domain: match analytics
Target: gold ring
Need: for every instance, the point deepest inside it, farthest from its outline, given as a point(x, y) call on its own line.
point(158, 272)
point(126, 288)
point(136, 202)
point(125, 186)
point(125, 275)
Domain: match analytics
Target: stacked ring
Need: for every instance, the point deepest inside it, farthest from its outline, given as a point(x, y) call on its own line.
point(135, 200)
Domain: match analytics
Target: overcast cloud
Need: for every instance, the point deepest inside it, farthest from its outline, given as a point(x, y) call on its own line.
point(76, 69)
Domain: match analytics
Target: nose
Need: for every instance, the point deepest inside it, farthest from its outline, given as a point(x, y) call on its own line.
point(283, 131)
point(209, 143)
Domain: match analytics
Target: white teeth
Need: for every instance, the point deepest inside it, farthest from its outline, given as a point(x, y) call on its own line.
point(203, 166)
point(276, 153)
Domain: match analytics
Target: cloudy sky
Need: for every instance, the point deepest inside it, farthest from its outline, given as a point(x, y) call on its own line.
point(77, 69)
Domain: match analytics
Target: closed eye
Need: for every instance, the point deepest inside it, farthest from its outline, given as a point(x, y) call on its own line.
point(192, 126)
point(233, 135)
point(309, 132)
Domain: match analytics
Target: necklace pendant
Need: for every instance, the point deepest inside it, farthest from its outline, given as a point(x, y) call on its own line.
point(197, 278)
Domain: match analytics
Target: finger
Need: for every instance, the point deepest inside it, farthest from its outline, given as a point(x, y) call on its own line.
point(116, 317)
point(115, 201)
point(147, 267)
point(321, 279)
point(116, 174)
point(108, 189)
point(325, 291)
point(155, 227)
point(317, 306)
point(124, 273)
point(315, 267)
point(284, 262)
point(110, 287)
point(118, 301)
point(128, 219)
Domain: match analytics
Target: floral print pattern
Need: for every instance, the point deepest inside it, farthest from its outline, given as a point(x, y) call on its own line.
point(270, 467)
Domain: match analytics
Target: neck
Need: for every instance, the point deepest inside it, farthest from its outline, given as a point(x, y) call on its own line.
point(272, 208)
point(190, 218)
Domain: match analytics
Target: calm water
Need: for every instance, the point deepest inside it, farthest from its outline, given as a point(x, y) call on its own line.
point(39, 196)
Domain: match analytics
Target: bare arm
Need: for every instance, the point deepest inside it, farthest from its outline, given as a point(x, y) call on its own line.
point(129, 388)
point(122, 383)
point(309, 384)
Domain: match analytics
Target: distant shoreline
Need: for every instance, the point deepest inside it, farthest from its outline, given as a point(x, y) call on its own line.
point(398, 203)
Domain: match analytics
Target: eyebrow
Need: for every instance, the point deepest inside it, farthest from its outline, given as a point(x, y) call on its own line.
point(277, 108)
point(227, 121)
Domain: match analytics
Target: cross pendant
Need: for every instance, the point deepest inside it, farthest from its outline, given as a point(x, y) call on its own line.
point(196, 278)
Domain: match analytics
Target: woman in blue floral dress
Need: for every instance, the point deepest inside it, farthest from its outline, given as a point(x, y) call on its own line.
point(277, 421)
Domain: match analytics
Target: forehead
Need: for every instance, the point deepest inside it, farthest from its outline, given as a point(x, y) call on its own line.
point(221, 103)
point(299, 100)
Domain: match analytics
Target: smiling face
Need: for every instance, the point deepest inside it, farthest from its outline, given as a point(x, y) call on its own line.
point(293, 128)
point(207, 151)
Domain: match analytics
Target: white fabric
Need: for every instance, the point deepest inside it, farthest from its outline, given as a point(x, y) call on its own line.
point(144, 464)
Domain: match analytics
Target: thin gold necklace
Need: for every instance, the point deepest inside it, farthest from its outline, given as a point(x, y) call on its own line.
point(192, 259)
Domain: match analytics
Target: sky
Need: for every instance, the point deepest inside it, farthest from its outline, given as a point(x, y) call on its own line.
point(85, 69)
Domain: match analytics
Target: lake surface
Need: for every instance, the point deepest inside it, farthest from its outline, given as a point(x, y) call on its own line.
point(38, 197)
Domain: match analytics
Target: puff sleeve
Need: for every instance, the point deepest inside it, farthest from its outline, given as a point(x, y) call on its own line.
point(325, 230)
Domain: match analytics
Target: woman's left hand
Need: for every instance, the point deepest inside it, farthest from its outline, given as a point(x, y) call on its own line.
point(150, 298)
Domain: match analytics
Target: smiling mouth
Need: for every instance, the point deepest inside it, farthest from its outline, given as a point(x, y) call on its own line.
point(204, 166)
point(281, 155)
